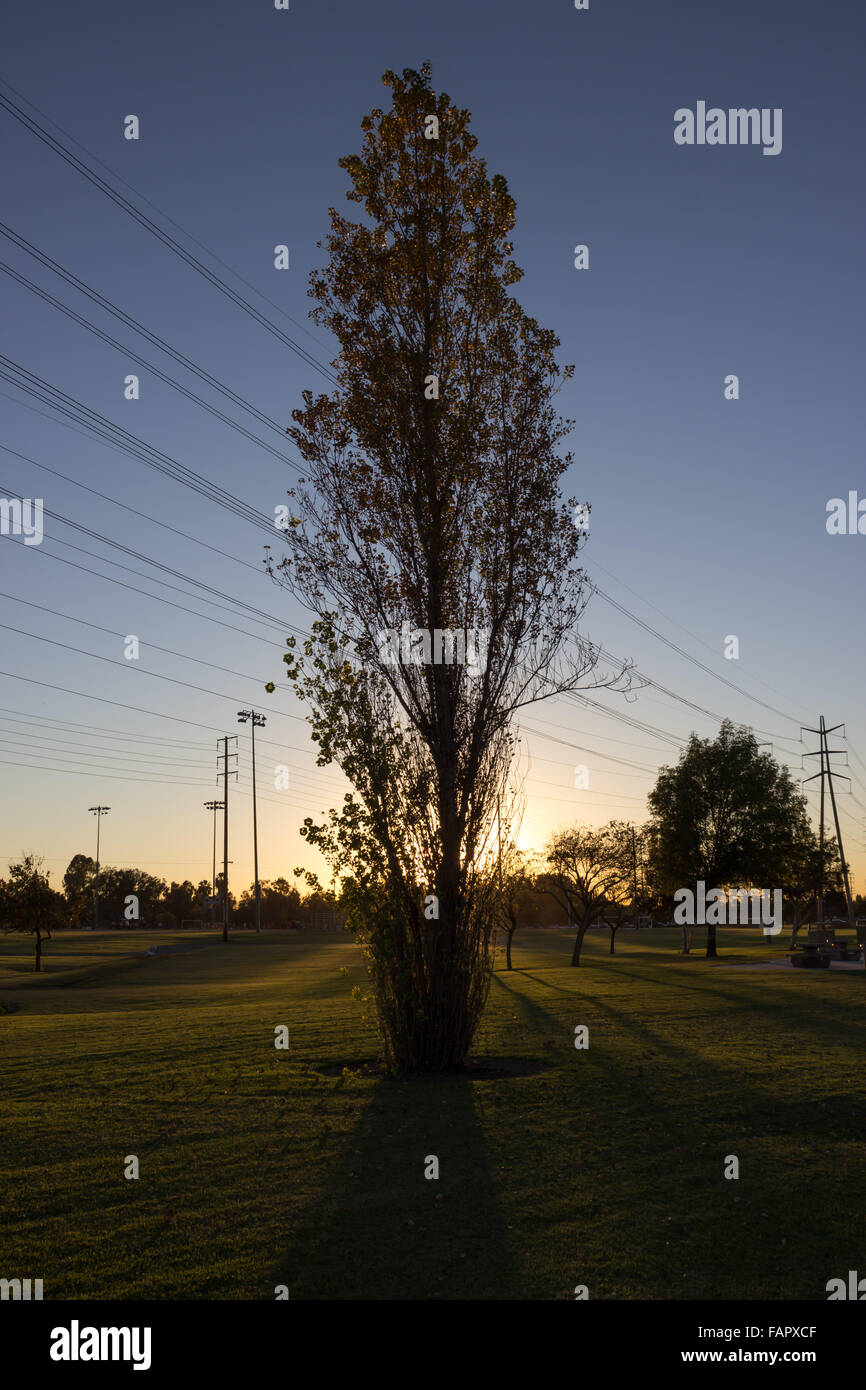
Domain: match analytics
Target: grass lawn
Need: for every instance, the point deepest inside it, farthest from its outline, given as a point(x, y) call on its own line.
point(81, 954)
point(558, 1167)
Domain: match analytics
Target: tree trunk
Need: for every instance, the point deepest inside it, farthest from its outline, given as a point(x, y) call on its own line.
point(508, 949)
point(38, 952)
point(687, 939)
point(612, 938)
point(711, 941)
point(578, 942)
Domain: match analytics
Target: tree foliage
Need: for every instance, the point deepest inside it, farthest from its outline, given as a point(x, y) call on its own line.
point(727, 814)
point(591, 872)
point(432, 500)
point(30, 904)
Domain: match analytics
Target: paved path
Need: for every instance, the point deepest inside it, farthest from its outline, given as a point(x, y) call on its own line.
point(786, 965)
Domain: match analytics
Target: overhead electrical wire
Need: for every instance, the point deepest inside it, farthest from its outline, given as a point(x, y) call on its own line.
point(150, 203)
point(167, 240)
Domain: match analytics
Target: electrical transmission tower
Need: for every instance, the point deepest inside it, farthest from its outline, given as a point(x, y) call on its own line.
point(823, 751)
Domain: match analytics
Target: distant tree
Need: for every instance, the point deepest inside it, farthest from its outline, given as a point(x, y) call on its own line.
point(726, 814)
point(220, 893)
point(802, 876)
point(31, 904)
point(280, 903)
point(615, 915)
point(178, 901)
point(642, 895)
point(515, 897)
point(118, 886)
point(200, 897)
point(78, 889)
point(589, 872)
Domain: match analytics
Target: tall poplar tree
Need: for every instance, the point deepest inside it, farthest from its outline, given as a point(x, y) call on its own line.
point(432, 500)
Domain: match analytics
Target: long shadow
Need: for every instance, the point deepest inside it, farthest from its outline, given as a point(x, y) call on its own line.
point(533, 1011)
point(671, 1225)
point(776, 1006)
point(381, 1229)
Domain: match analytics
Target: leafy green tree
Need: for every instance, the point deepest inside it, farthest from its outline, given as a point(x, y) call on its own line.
point(432, 501)
point(78, 889)
point(117, 885)
point(31, 904)
point(590, 872)
point(727, 814)
point(280, 903)
point(178, 901)
point(200, 897)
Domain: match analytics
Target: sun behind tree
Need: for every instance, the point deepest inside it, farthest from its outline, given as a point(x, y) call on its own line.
point(433, 507)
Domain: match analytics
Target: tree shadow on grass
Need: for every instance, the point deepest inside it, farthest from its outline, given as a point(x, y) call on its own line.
point(380, 1229)
point(671, 1117)
point(535, 1012)
point(769, 997)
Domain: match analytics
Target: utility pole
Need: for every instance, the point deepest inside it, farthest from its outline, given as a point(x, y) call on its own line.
point(824, 752)
point(225, 755)
point(213, 806)
point(634, 877)
point(258, 720)
point(851, 922)
point(98, 812)
point(499, 839)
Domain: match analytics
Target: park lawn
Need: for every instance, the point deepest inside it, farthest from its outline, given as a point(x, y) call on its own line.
point(67, 951)
point(558, 1167)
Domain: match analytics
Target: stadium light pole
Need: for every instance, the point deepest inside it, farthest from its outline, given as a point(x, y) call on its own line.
point(256, 720)
point(98, 812)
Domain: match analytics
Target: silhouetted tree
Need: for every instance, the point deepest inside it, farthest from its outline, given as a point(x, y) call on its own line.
point(30, 903)
point(727, 814)
point(434, 501)
point(78, 889)
point(589, 871)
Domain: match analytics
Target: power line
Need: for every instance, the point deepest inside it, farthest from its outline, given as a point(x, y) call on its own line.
point(258, 613)
point(155, 714)
point(687, 655)
point(674, 621)
point(162, 213)
point(169, 241)
point(113, 755)
point(92, 730)
point(111, 308)
point(157, 598)
point(142, 362)
point(112, 632)
point(134, 511)
point(76, 772)
point(143, 671)
point(130, 444)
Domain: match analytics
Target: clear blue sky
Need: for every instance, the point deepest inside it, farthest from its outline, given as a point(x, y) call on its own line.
point(708, 516)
